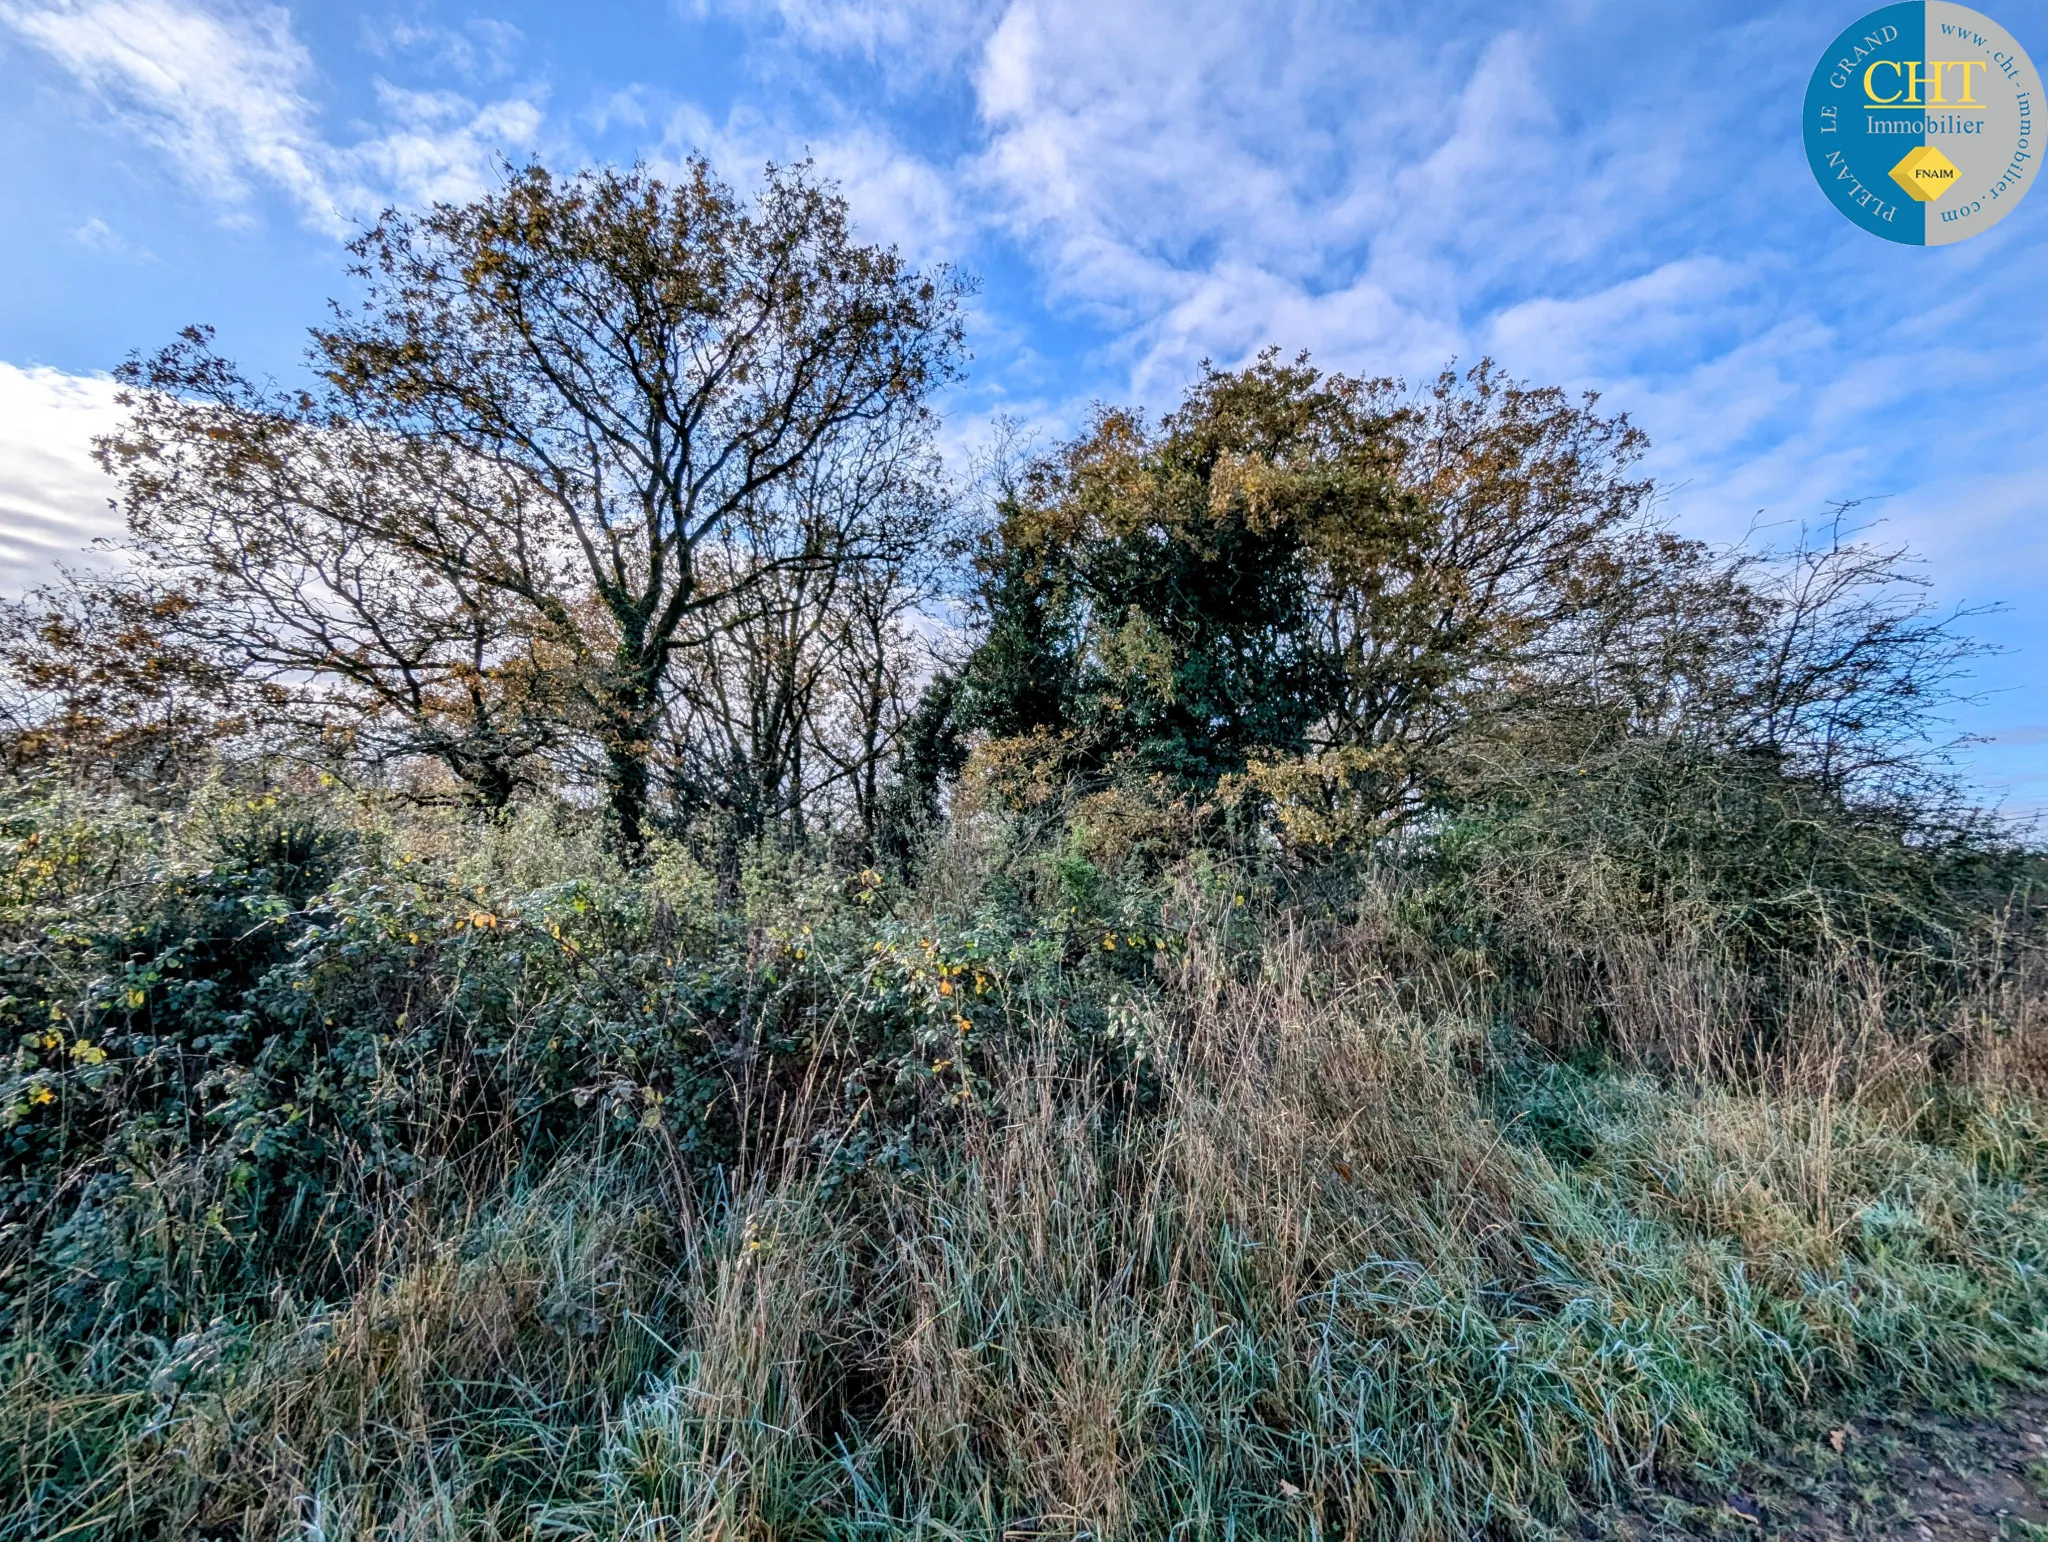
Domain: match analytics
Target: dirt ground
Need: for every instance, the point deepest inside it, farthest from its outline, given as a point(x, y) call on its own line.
point(1922, 1478)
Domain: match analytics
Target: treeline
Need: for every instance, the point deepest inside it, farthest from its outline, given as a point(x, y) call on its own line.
point(625, 492)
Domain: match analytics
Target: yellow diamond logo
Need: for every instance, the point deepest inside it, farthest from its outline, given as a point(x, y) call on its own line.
point(1925, 173)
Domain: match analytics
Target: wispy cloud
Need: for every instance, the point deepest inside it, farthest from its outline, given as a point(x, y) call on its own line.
point(221, 94)
point(96, 235)
point(226, 94)
point(1211, 177)
point(481, 49)
point(437, 146)
point(907, 40)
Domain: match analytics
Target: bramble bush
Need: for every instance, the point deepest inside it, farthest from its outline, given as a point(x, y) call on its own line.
point(244, 1046)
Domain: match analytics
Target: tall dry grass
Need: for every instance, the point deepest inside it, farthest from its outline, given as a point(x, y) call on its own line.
point(1333, 1252)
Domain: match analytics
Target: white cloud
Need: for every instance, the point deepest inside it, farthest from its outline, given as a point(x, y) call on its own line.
point(53, 498)
point(96, 235)
point(908, 39)
point(220, 94)
point(1643, 315)
point(225, 93)
point(1205, 179)
point(439, 146)
point(480, 49)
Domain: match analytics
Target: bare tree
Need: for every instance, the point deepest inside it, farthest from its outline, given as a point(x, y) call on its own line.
point(1817, 674)
point(1851, 671)
point(786, 708)
point(333, 563)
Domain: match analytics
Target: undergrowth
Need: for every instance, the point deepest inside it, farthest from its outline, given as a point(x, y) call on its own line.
point(378, 1176)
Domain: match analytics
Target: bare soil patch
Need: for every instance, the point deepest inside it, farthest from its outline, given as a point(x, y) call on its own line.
point(1923, 1477)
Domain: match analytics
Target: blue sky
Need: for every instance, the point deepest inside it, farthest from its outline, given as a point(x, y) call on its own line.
point(1600, 193)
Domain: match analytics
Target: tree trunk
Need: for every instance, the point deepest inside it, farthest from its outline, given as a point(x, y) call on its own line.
point(491, 782)
point(626, 797)
point(629, 743)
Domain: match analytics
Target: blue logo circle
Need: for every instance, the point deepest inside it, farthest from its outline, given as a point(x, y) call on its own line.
point(1922, 123)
